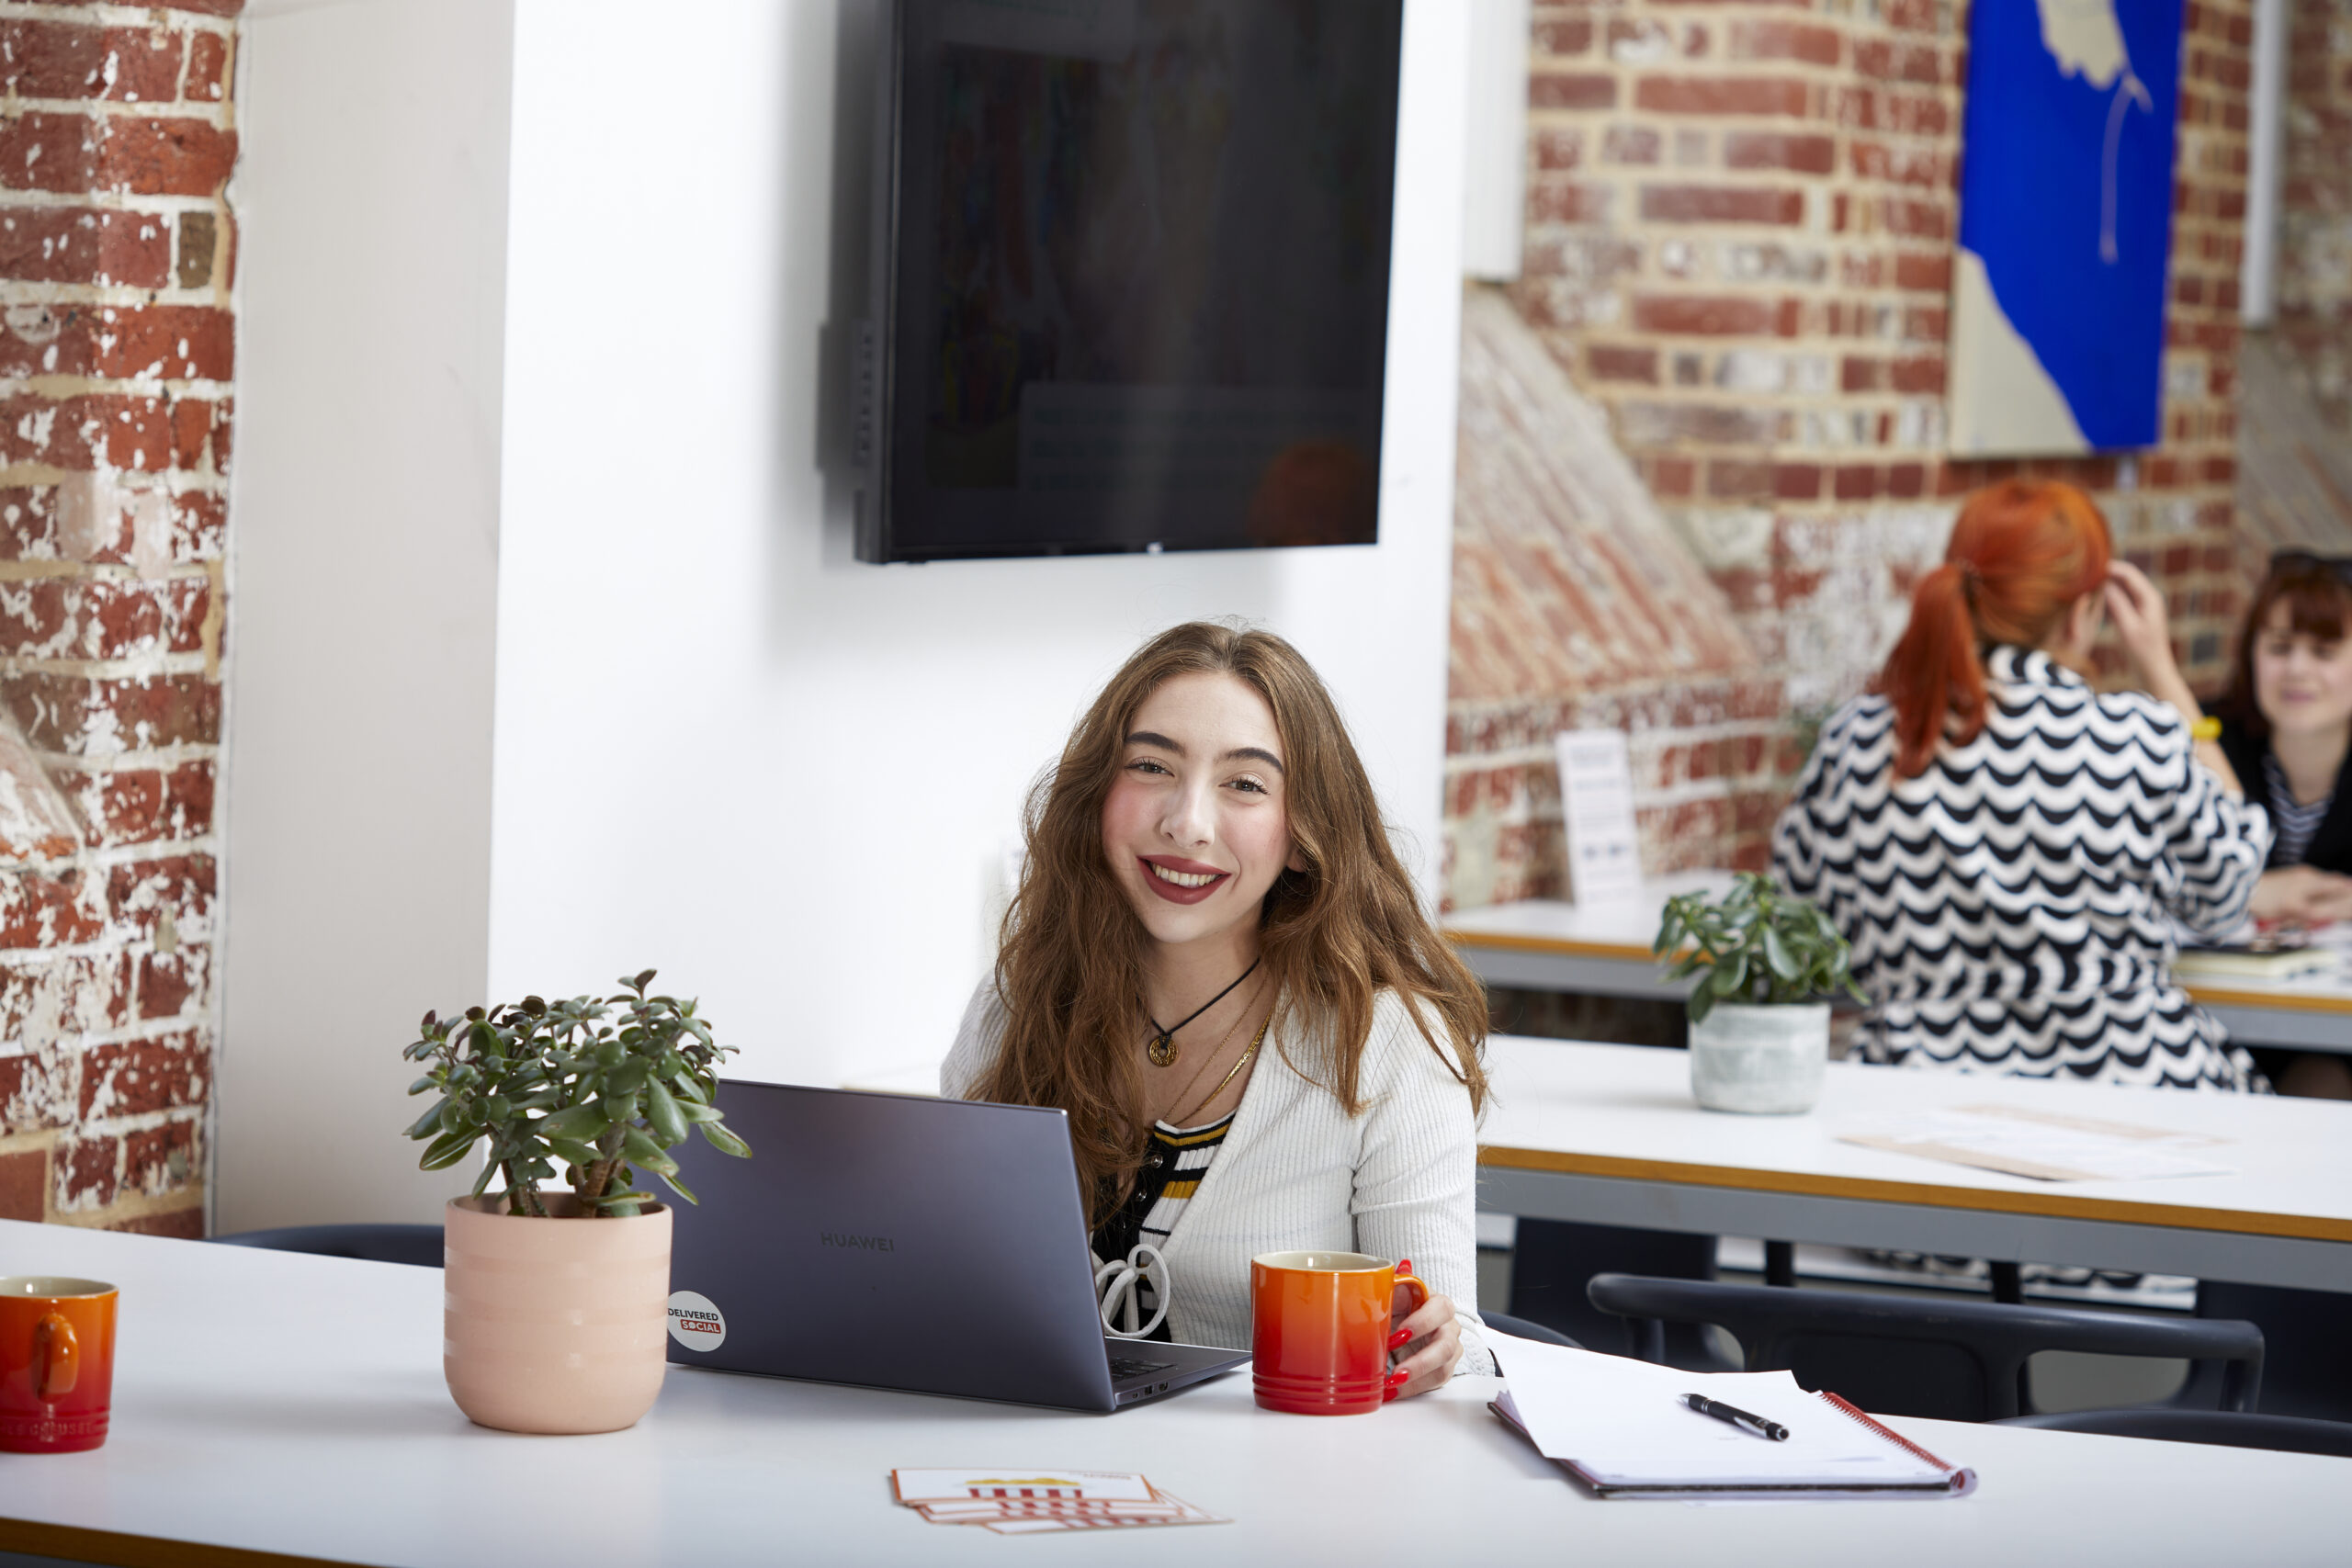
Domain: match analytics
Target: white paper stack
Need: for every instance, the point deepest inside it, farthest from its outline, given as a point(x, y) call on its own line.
point(1039, 1502)
point(1619, 1425)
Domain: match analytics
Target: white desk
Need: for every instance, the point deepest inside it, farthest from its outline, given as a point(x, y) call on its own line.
point(268, 1403)
point(1608, 1134)
point(1542, 945)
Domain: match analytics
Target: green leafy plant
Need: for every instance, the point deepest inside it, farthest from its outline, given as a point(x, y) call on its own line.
point(571, 1086)
point(1756, 944)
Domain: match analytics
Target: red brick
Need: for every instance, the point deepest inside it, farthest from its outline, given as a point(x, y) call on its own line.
point(69, 60)
point(90, 430)
point(1916, 219)
point(123, 805)
point(1617, 362)
point(1636, 144)
point(1571, 90)
point(1562, 35)
point(1786, 41)
point(86, 1171)
point(24, 1185)
point(1918, 376)
point(1710, 315)
point(1559, 148)
point(66, 244)
point(1672, 478)
point(1720, 204)
point(1906, 481)
point(167, 981)
point(139, 892)
point(156, 1160)
point(1774, 150)
point(1857, 483)
point(180, 1225)
point(1926, 271)
point(1721, 95)
point(38, 911)
point(193, 423)
point(207, 69)
point(77, 716)
point(1886, 60)
point(144, 1075)
point(1739, 478)
point(177, 342)
point(1569, 201)
point(79, 153)
point(1797, 482)
point(191, 793)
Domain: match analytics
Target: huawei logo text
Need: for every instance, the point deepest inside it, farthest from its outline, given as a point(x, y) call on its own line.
point(863, 1243)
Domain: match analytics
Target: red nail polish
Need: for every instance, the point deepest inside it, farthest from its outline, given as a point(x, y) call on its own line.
point(1400, 1338)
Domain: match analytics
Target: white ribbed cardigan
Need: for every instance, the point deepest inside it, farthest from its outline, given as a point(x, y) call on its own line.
point(1295, 1173)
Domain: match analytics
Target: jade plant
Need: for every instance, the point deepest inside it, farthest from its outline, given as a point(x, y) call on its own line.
point(1758, 945)
point(571, 1086)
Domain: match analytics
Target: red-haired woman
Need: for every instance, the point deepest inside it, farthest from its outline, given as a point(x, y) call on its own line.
point(2006, 847)
point(1216, 965)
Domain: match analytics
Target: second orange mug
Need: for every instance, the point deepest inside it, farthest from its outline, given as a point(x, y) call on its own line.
point(56, 1363)
point(1319, 1329)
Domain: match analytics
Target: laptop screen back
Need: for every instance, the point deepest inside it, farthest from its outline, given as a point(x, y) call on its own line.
point(935, 1244)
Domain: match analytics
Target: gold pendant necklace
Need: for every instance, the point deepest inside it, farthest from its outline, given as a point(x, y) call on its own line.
point(1163, 1049)
point(1231, 1073)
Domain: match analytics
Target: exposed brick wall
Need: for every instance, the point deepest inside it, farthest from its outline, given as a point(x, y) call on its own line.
point(2315, 280)
point(1739, 240)
point(116, 138)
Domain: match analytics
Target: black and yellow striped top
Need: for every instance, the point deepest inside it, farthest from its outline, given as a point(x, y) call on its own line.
point(1173, 1168)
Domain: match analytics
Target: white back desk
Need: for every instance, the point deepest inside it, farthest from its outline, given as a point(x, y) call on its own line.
point(1543, 945)
point(276, 1404)
point(1608, 1134)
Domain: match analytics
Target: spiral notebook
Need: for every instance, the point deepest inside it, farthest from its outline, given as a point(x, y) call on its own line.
point(1619, 1427)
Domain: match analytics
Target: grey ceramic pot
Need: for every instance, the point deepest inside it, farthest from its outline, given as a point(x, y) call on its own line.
point(1764, 1061)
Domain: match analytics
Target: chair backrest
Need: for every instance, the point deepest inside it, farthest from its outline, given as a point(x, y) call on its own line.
point(2231, 1428)
point(1915, 1356)
point(375, 1243)
point(1520, 1327)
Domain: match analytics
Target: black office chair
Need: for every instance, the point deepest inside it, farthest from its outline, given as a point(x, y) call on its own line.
point(2306, 1348)
point(1553, 1260)
point(1953, 1360)
point(1521, 1328)
point(2228, 1428)
point(419, 1245)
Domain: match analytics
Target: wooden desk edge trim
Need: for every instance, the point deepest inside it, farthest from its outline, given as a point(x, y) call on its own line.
point(75, 1544)
point(2052, 1205)
point(1625, 953)
point(1566, 947)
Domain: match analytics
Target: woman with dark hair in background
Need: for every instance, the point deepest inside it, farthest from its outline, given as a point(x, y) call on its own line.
point(2287, 728)
point(2006, 848)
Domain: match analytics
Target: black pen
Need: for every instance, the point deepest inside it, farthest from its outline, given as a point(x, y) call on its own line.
point(1737, 1417)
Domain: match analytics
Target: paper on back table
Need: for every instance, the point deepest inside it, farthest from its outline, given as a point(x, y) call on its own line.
point(1622, 1422)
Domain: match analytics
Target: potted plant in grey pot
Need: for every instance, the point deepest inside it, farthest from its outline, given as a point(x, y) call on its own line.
point(1759, 1027)
point(557, 1314)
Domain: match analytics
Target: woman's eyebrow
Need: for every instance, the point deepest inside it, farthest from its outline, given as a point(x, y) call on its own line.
point(1153, 737)
point(1258, 751)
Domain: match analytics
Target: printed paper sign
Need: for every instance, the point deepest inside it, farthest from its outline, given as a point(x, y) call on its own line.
point(1597, 813)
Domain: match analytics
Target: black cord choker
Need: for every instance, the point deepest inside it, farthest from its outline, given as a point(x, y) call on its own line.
point(1163, 1049)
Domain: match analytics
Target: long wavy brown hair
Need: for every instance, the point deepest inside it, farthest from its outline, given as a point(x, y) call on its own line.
point(1070, 956)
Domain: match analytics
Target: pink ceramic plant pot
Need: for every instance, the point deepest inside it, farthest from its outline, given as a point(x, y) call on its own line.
point(556, 1324)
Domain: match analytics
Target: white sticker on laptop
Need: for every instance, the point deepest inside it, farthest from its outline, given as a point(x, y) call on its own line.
point(695, 1321)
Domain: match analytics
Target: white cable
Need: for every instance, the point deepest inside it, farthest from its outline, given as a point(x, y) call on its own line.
point(1119, 1284)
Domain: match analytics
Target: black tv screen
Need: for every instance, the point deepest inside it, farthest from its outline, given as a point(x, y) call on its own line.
point(1132, 275)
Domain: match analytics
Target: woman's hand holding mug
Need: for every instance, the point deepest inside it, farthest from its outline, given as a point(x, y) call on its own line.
point(1426, 1342)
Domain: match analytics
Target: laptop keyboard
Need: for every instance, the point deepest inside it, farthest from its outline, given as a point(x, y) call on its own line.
point(1123, 1366)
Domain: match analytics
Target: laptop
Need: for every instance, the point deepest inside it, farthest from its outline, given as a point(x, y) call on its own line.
point(937, 1245)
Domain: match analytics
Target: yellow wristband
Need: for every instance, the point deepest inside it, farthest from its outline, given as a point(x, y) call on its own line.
point(2206, 728)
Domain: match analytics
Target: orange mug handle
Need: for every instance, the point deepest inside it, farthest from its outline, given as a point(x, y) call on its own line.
point(1404, 1276)
point(57, 1358)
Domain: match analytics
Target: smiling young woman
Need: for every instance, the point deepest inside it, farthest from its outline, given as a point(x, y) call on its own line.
point(1217, 964)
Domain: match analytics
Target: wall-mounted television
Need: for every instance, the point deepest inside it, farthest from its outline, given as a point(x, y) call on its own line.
point(1131, 285)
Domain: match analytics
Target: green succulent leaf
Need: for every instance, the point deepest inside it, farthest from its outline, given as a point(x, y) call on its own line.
point(718, 1137)
point(661, 1112)
point(448, 1149)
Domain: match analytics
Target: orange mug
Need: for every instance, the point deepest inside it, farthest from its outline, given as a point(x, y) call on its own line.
point(56, 1364)
point(1319, 1330)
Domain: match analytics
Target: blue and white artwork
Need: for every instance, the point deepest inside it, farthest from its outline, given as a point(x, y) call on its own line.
point(2066, 226)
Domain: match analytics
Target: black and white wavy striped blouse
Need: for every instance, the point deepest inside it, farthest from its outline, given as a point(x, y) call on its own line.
point(2008, 909)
